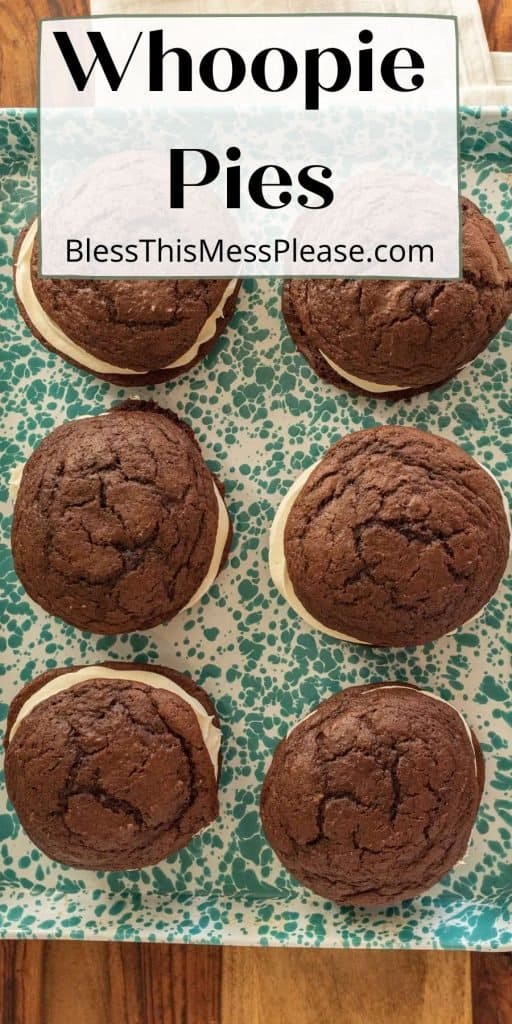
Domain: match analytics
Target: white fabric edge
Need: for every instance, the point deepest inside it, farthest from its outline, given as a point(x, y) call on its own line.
point(502, 66)
point(475, 65)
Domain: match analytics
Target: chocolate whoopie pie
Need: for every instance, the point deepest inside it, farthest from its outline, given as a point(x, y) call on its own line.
point(118, 523)
point(114, 766)
point(395, 537)
point(396, 338)
point(130, 332)
point(372, 798)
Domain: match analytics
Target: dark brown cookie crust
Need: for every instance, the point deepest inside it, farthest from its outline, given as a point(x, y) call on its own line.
point(372, 799)
point(109, 318)
point(397, 537)
point(115, 521)
point(112, 776)
point(322, 368)
point(419, 333)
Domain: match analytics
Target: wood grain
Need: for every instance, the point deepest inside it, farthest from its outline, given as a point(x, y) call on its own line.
point(131, 984)
point(19, 21)
point(21, 982)
point(492, 988)
point(281, 986)
point(96, 983)
point(497, 17)
point(109, 983)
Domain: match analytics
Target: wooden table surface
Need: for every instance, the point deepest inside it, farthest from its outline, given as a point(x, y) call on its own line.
point(116, 983)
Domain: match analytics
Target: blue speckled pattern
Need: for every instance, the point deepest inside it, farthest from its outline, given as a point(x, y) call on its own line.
point(261, 416)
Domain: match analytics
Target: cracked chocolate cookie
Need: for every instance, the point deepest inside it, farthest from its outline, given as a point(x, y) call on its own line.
point(113, 766)
point(130, 332)
point(118, 523)
point(396, 537)
point(372, 798)
point(397, 338)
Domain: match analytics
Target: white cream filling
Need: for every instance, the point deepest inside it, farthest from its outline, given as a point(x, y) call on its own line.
point(209, 731)
point(277, 559)
point(367, 385)
point(60, 341)
point(15, 481)
point(220, 538)
point(371, 385)
point(218, 551)
point(279, 569)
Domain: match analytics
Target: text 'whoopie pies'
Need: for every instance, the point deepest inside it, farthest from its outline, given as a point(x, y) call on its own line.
point(372, 798)
point(118, 523)
point(112, 766)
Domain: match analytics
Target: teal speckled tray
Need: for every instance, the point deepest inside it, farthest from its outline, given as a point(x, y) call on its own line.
point(261, 417)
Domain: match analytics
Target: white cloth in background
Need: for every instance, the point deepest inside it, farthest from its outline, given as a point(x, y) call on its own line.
point(485, 79)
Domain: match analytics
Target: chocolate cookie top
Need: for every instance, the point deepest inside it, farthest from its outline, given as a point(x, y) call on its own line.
point(139, 324)
point(372, 798)
point(117, 520)
point(405, 333)
point(111, 774)
point(396, 537)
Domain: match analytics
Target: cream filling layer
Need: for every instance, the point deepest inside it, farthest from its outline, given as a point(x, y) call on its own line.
point(209, 731)
point(279, 569)
point(277, 559)
point(221, 537)
point(60, 341)
point(371, 385)
point(218, 551)
point(367, 385)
